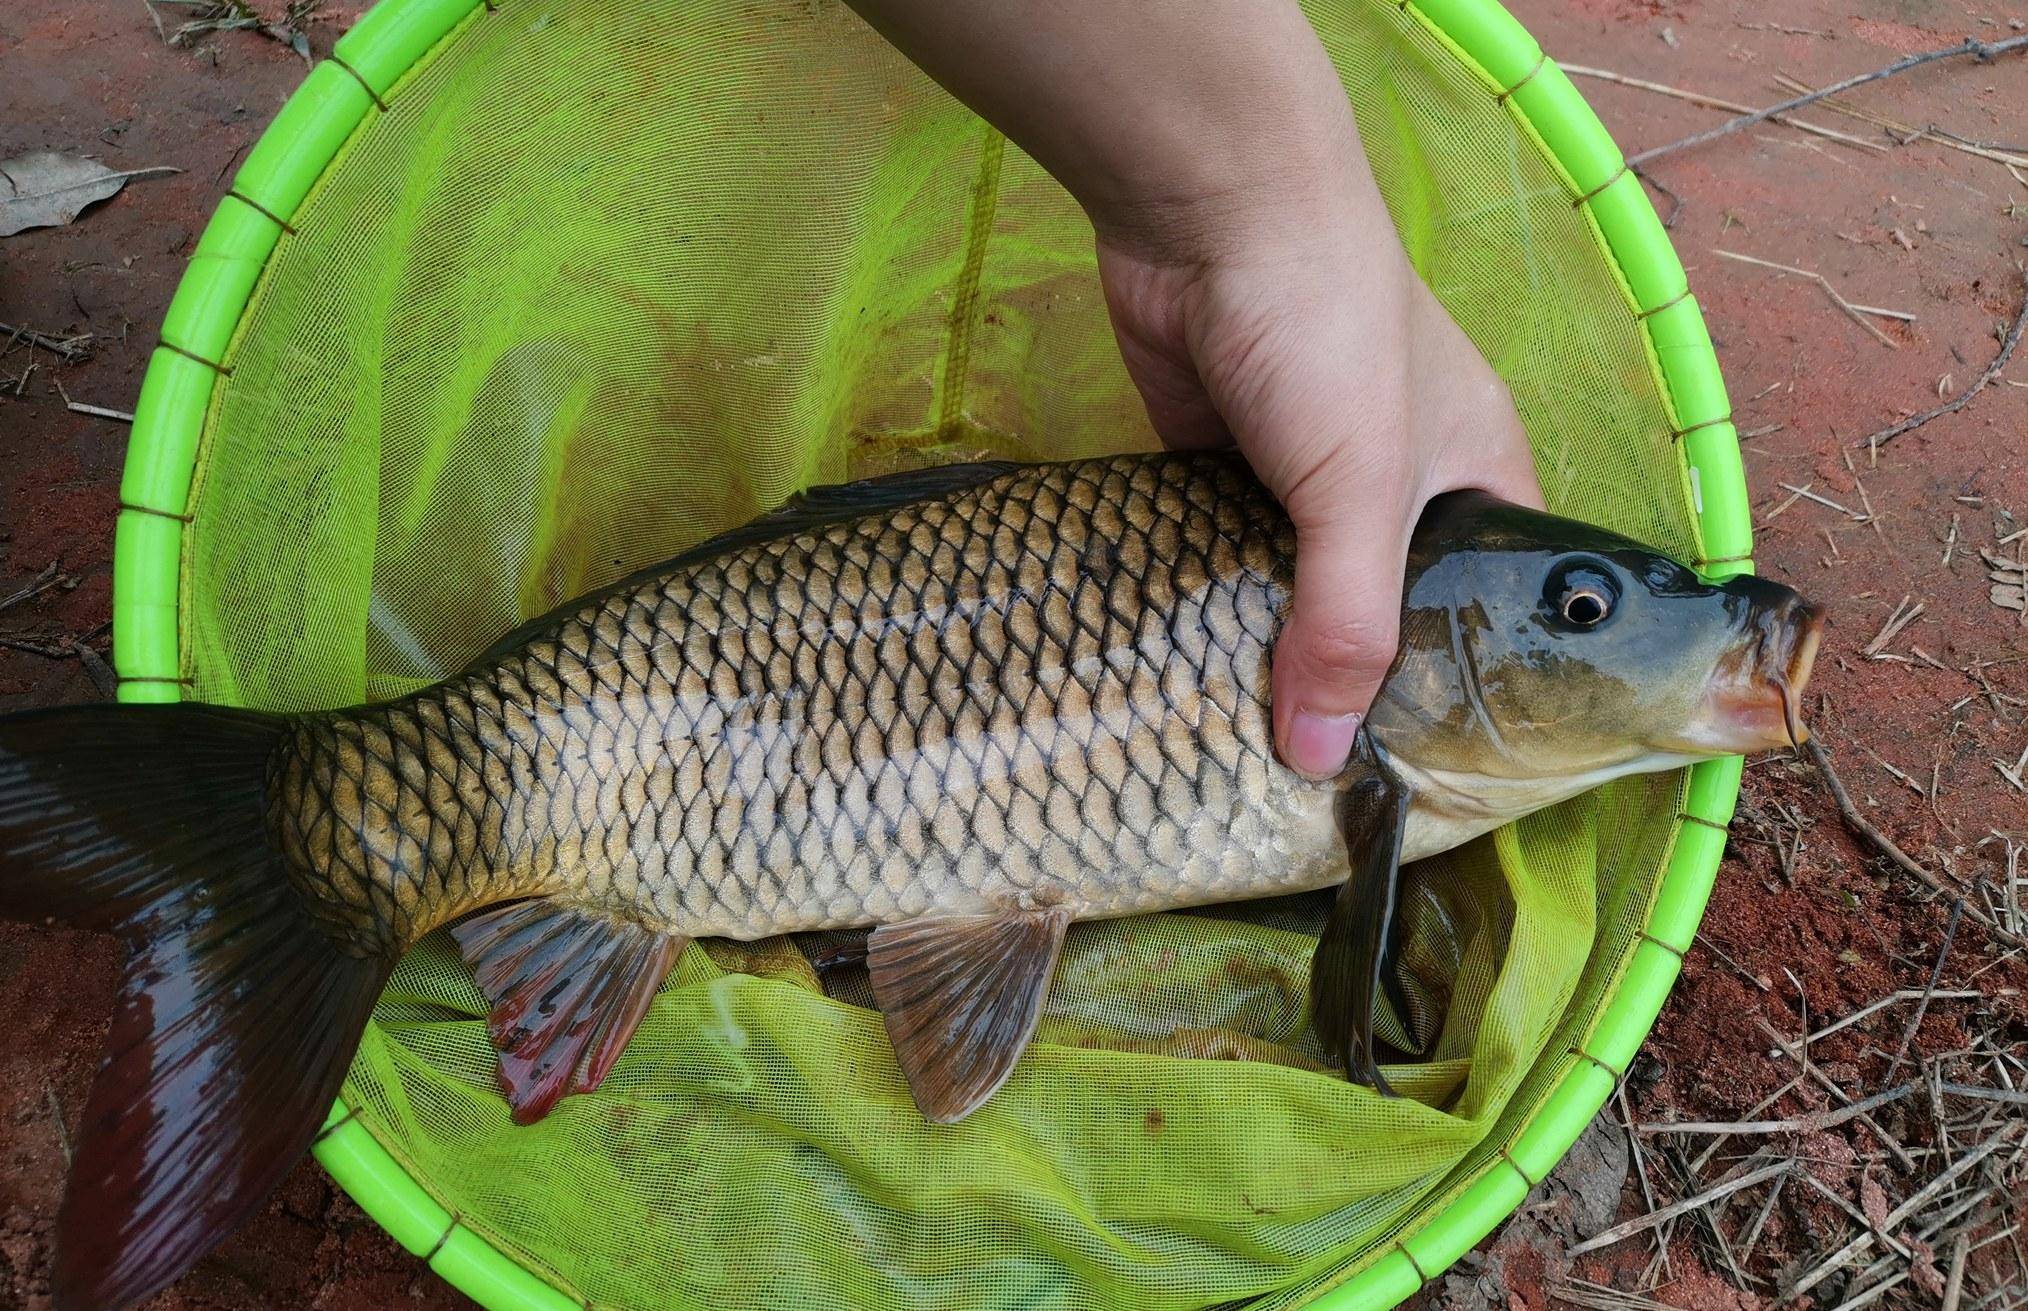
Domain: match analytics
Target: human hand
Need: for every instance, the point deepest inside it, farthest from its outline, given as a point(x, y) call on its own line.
point(1258, 290)
point(1298, 330)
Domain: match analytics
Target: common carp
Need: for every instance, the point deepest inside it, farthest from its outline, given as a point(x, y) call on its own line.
point(964, 706)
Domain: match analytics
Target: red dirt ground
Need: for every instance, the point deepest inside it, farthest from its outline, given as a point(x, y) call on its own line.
point(1920, 228)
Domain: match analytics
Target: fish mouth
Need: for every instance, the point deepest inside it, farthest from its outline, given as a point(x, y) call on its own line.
point(1756, 699)
point(1802, 659)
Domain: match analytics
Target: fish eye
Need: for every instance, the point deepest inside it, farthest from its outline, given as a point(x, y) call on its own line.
point(1582, 594)
point(1586, 607)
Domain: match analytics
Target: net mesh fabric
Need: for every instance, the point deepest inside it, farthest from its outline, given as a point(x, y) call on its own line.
point(610, 277)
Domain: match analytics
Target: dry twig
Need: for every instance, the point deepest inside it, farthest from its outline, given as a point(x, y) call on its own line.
point(1783, 28)
point(1634, 1145)
point(1915, 1203)
point(35, 646)
point(1713, 102)
point(56, 1118)
point(1801, 1124)
point(1904, 133)
point(1887, 1240)
point(1852, 311)
point(1905, 994)
point(1859, 824)
point(1935, 974)
point(2010, 1096)
point(1900, 619)
point(97, 411)
point(1822, 500)
point(1684, 1207)
point(1963, 398)
point(1982, 50)
point(1830, 1085)
point(72, 349)
point(1955, 1284)
point(42, 582)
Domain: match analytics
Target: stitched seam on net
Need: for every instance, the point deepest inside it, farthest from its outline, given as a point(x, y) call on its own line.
point(965, 297)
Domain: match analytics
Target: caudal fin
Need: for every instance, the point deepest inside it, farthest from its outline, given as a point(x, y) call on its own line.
point(237, 1014)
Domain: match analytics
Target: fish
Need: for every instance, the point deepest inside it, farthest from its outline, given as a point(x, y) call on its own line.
point(961, 707)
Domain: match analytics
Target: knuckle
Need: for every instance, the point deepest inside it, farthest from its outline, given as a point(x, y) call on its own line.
point(1338, 487)
point(1351, 648)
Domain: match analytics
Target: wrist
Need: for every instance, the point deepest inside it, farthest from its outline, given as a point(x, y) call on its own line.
point(1312, 204)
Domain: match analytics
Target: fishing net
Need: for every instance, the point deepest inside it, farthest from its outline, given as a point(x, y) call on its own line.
point(606, 276)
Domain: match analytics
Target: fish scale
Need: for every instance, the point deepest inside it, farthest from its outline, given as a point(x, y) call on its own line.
point(1045, 689)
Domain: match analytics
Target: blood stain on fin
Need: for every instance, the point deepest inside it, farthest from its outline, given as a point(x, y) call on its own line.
point(961, 996)
point(1345, 974)
point(568, 988)
point(238, 1013)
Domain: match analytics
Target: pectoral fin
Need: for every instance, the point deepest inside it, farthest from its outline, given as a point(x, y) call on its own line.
point(568, 989)
point(961, 996)
point(1346, 973)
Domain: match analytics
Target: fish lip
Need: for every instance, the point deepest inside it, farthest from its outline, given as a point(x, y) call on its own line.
point(1809, 635)
point(1755, 701)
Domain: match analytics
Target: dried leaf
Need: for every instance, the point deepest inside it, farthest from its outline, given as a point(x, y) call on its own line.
point(2009, 579)
point(1873, 1201)
point(47, 190)
point(1922, 1271)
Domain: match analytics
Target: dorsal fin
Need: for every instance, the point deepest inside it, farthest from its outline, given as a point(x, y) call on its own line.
point(812, 508)
point(815, 507)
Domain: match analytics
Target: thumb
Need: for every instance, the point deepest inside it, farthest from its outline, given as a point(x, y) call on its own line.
point(1341, 634)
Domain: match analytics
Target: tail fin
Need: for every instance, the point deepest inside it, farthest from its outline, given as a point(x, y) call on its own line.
point(237, 1015)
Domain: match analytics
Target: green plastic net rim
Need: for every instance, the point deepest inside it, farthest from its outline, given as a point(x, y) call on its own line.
point(363, 77)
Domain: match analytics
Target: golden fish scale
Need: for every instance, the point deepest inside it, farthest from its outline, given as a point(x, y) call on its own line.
point(1046, 689)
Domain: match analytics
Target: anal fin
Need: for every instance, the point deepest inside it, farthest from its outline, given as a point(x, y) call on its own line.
point(568, 988)
point(1350, 970)
point(961, 995)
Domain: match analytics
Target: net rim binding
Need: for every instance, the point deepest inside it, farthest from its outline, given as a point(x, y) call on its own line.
point(397, 35)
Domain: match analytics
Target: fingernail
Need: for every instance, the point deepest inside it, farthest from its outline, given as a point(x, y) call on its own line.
point(1319, 744)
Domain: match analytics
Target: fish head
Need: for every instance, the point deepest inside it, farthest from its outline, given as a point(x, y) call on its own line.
point(1535, 646)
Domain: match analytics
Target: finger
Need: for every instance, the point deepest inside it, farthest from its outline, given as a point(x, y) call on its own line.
point(1341, 634)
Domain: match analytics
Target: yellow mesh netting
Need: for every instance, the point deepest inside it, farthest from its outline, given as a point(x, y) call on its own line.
point(612, 276)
